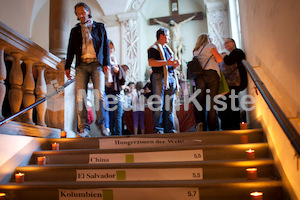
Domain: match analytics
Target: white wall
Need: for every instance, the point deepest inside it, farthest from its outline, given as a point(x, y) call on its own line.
point(40, 25)
point(13, 151)
point(270, 32)
point(17, 15)
point(113, 33)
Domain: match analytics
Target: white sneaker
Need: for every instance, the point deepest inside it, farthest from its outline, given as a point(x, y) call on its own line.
point(83, 134)
point(103, 130)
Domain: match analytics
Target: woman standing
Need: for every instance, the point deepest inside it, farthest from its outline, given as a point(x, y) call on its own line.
point(114, 88)
point(208, 83)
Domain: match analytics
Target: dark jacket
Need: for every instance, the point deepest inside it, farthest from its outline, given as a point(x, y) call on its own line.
point(100, 42)
point(118, 80)
point(235, 58)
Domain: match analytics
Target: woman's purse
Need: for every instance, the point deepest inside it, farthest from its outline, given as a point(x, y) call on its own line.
point(223, 86)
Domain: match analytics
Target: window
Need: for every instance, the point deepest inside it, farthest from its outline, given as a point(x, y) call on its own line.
point(235, 22)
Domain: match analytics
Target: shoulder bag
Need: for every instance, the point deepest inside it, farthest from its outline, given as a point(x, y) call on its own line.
point(194, 68)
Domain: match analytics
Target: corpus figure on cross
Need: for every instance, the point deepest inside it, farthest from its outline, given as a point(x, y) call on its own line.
point(176, 39)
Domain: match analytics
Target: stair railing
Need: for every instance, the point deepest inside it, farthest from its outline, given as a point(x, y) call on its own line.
point(8, 119)
point(281, 118)
point(27, 90)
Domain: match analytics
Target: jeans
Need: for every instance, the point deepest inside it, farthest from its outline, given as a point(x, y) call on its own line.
point(115, 112)
point(163, 117)
point(209, 80)
point(84, 72)
point(105, 110)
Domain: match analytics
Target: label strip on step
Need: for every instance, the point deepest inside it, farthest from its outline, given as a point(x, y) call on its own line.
point(125, 143)
point(176, 193)
point(166, 174)
point(148, 157)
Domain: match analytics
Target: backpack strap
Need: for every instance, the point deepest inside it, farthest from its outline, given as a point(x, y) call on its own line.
point(207, 61)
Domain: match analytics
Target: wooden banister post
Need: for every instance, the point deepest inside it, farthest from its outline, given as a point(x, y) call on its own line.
point(15, 93)
point(28, 89)
point(40, 91)
point(2, 79)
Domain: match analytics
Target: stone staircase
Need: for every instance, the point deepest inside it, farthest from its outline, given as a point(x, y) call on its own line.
point(185, 166)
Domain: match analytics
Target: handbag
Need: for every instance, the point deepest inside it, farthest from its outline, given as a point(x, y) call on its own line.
point(223, 86)
point(194, 68)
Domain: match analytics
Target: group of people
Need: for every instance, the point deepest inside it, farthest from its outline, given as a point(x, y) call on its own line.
point(164, 83)
point(93, 50)
point(235, 75)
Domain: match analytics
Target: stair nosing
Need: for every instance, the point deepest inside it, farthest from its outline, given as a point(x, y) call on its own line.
point(129, 184)
point(178, 135)
point(230, 163)
point(153, 149)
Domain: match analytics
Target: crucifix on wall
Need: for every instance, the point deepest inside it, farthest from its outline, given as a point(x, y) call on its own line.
point(174, 23)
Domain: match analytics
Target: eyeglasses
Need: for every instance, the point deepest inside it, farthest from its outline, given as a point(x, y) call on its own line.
point(227, 42)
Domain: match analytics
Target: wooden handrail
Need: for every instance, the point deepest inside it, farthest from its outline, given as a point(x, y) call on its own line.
point(15, 41)
point(23, 49)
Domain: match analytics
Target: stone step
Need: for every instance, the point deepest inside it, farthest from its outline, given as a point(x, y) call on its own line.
point(19, 128)
point(185, 166)
point(159, 154)
point(148, 171)
point(229, 189)
point(154, 140)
